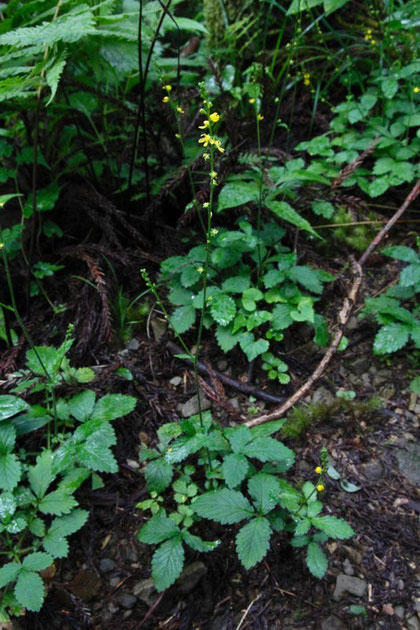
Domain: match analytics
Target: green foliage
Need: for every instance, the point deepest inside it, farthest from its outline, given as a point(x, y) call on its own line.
point(37, 503)
point(398, 325)
point(230, 476)
point(255, 291)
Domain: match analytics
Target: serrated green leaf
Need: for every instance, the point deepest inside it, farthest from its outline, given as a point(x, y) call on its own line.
point(224, 506)
point(253, 541)
point(284, 211)
point(10, 471)
point(81, 405)
point(167, 563)
point(265, 491)
point(196, 543)
point(53, 75)
point(251, 347)
point(37, 527)
point(410, 276)
point(226, 339)
point(266, 449)
point(401, 252)
point(391, 338)
point(236, 284)
point(316, 560)
point(234, 469)
point(223, 308)
point(58, 502)
point(158, 529)
point(234, 194)
point(323, 208)
point(37, 561)
point(29, 590)
point(333, 526)
point(113, 406)
point(307, 277)
point(238, 437)
point(55, 542)
point(182, 447)
point(182, 318)
point(268, 428)
point(11, 405)
point(158, 475)
point(9, 573)
point(40, 476)
point(7, 438)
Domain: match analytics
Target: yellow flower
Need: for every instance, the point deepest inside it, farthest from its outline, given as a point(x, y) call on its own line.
point(214, 232)
point(306, 75)
point(1, 245)
point(165, 99)
point(200, 269)
point(168, 88)
point(367, 37)
point(307, 82)
point(416, 90)
point(206, 123)
point(318, 470)
point(206, 156)
point(320, 487)
point(214, 117)
point(205, 139)
point(170, 450)
point(180, 110)
point(260, 117)
point(177, 135)
point(251, 100)
point(213, 174)
point(202, 111)
point(206, 204)
point(218, 146)
point(373, 42)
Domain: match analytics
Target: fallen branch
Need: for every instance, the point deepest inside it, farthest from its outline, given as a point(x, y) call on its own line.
point(343, 318)
point(240, 387)
point(378, 238)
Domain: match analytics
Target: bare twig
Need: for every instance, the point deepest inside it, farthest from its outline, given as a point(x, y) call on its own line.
point(343, 318)
point(350, 168)
point(247, 611)
point(241, 387)
point(378, 238)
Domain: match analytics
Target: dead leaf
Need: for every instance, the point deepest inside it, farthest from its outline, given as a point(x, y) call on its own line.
point(85, 585)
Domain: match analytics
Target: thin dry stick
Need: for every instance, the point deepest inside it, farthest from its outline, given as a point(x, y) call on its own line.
point(378, 238)
point(247, 611)
point(343, 318)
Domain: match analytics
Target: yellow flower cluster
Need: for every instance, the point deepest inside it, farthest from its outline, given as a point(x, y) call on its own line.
point(307, 78)
point(369, 38)
point(207, 139)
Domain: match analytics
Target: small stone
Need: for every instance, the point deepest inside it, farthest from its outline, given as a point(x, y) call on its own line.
point(352, 323)
point(333, 623)
point(235, 403)
point(133, 345)
point(158, 330)
point(399, 611)
point(416, 601)
point(349, 584)
point(401, 585)
point(348, 567)
point(127, 601)
point(353, 554)
point(222, 365)
point(175, 381)
point(322, 395)
point(409, 462)
point(146, 591)
point(190, 577)
point(373, 471)
point(387, 392)
point(106, 564)
point(360, 366)
point(190, 408)
point(115, 580)
point(413, 623)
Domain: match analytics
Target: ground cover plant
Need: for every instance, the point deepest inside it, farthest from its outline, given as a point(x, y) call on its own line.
point(239, 178)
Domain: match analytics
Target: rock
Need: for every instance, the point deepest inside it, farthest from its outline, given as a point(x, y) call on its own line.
point(360, 366)
point(190, 408)
point(190, 577)
point(416, 601)
point(106, 565)
point(127, 601)
point(333, 623)
point(373, 471)
point(399, 611)
point(387, 392)
point(146, 591)
point(349, 584)
point(348, 567)
point(353, 554)
point(158, 330)
point(222, 365)
point(322, 395)
point(115, 580)
point(413, 623)
point(235, 403)
point(175, 381)
point(132, 345)
point(409, 462)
